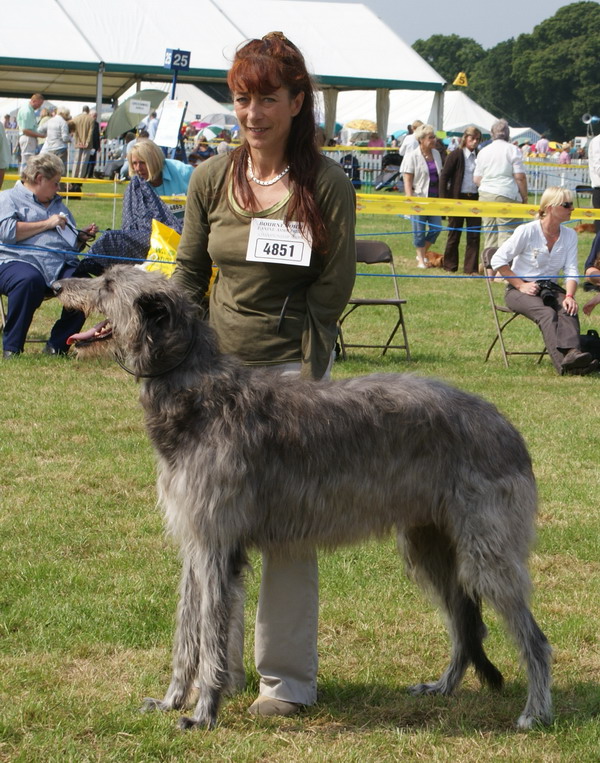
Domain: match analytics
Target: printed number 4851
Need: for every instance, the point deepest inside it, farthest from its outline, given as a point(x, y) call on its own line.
point(279, 250)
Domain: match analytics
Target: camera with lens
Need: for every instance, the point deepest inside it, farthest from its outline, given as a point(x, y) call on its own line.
point(547, 292)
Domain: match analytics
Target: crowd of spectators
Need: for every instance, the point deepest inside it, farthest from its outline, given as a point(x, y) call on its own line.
point(458, 168)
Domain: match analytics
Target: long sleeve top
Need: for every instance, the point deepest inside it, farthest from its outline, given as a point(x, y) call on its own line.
point(528, 251)
point(19, 204)
point(264, 312)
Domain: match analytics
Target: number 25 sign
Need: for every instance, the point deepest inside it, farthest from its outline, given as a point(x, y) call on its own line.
point(177, 59)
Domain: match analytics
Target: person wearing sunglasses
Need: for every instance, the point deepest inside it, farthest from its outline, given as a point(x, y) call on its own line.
point(531, 261)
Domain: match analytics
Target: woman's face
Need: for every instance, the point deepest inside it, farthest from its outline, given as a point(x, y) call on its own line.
point(267, 119)
point(139, 167)
point(44, 188)
point(560, 212)
point(428, 142)
point(471, 142)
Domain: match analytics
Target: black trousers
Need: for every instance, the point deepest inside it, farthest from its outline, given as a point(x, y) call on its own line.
point(596, 205)
point(455, 224)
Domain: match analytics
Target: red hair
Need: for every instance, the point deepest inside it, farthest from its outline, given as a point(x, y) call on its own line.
point(263, 66)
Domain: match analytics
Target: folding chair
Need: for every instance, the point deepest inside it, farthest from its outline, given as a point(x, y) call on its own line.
point(500, 326)
point(373, 253)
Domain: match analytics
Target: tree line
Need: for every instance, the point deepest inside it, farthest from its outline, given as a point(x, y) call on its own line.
point(546, 80)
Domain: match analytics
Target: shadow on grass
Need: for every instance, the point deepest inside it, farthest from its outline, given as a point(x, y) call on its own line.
point(367, 707)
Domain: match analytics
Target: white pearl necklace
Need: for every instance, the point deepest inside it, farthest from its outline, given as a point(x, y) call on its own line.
point(265, 182)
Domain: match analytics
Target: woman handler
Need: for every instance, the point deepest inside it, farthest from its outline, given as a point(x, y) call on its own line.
point(277, 218)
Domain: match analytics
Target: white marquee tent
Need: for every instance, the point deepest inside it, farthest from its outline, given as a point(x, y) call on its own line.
point(459, 110)
point(90, 51)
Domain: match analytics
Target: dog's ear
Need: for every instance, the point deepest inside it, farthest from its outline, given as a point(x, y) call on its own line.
point(154, 307)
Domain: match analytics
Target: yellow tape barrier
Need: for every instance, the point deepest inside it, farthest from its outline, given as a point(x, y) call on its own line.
point(14, 176)
point(101, 195)
point(385, 204)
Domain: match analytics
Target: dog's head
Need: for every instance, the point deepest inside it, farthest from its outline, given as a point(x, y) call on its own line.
point(147, 318)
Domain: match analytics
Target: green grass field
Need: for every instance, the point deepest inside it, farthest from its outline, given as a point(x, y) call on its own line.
point(89, 580)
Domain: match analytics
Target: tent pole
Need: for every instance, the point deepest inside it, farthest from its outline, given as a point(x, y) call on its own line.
point(99, 90)
point(114, 217)
point(438, 110)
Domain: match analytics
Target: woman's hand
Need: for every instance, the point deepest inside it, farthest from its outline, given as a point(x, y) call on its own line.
point(56, 221)
point(88, 233)
point(569, 305)
point(528, 287)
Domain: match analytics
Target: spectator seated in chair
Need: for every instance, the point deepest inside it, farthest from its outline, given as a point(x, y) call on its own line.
point(153, 176)
point(530, 261)
point(39, 243)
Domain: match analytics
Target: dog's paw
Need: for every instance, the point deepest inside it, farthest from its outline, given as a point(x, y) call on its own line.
point(527, 721)
point(419, 690)
point(185, 723)
point(150, 705)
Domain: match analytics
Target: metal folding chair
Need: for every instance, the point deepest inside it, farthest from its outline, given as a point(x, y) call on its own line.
point(508, 317)
point(375, 253)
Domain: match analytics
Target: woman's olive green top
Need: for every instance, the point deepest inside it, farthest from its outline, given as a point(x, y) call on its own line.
point(263, 312)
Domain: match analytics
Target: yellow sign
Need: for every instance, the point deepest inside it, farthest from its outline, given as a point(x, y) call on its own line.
point(461, 80)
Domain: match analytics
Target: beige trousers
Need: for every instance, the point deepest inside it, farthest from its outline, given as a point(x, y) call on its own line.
point(287, 619)
point(497, 230)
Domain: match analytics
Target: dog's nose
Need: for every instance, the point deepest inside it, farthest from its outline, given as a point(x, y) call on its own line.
point(56, 287)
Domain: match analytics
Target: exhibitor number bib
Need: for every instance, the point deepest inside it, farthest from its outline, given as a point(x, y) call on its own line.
point(271, 241)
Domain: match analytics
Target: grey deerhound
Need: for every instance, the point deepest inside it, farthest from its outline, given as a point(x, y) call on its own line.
point(245, 460)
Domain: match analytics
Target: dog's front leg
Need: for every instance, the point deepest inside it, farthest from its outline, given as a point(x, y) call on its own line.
point(186, 647)
point(220, 577)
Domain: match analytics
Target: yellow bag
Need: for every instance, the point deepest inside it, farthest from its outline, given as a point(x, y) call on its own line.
point(163, 248)
point(162, 254)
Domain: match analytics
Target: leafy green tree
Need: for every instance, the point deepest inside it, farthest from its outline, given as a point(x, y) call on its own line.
point(491, 84)
point(556, 69)
point(450, 54)
point(546, 79)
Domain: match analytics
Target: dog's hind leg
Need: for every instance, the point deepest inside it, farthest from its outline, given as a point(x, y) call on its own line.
point(535, 650)
point(186, 646)
point(221, 576)
point(431, 559)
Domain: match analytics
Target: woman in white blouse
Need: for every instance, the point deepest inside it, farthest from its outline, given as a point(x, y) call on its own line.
point(531, 260)
point(421, 170)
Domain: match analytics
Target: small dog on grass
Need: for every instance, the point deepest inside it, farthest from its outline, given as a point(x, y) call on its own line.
point(248, 460)
point(434, 259)
point(585, 228)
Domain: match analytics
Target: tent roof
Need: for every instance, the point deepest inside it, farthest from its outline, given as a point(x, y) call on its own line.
point(406, 106)
point(460, 111)
point(345, 44)
point(525, 133)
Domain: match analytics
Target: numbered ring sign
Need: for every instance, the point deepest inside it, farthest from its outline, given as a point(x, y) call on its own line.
point(271, 241)
point(178, 60)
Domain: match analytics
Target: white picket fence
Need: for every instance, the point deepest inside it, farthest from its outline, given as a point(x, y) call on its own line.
point(540, 173)
point(365, 167)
